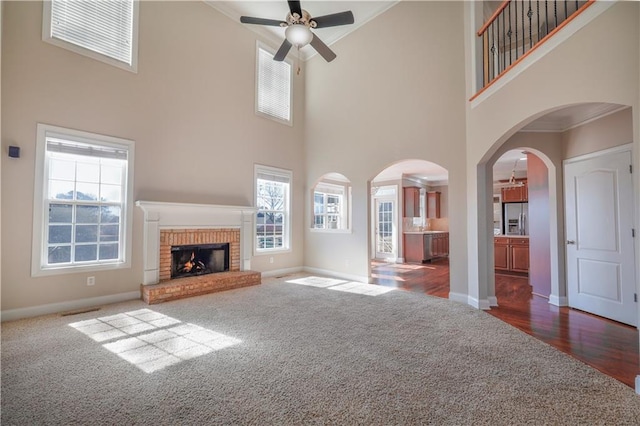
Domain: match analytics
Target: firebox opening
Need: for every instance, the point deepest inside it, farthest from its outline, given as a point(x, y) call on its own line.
point(201, 259)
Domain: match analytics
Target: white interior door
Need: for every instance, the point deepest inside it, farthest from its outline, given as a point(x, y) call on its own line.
point(600, 254)
point(385, 228)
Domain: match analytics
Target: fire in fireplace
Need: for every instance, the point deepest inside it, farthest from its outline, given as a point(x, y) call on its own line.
point(199, 259)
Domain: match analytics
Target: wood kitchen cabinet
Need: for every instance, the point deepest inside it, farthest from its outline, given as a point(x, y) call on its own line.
point(515, 194)
point(425, 246)
point(440, 245)
point(433, 204)
point(501, 253)
point(411, 201)
point(511, 254)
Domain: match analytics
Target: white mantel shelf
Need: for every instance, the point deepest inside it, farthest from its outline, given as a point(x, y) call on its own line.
point(160, 215)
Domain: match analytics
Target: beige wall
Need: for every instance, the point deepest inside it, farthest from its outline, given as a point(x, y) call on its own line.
point(606, 132)
point(598, 63)
point(190, 110)
point(395, 92)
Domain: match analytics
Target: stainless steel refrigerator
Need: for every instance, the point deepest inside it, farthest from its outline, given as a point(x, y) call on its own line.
point(516, 218)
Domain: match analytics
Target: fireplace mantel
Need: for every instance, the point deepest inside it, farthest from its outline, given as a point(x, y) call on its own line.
point(160, 215)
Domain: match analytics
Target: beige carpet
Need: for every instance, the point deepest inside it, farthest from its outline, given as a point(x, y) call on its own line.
point(313, 351)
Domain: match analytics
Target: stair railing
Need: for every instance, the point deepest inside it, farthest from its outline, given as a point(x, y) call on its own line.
point(517, 27)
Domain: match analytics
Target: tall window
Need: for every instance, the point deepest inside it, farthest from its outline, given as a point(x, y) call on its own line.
point(273, 201)
point(103, 30)
point(273, 87)
point(82, 201)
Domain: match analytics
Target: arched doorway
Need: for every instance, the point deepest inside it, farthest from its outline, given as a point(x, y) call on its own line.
point(410, 227)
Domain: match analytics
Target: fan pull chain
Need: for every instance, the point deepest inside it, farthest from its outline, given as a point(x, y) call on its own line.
point(298, 61)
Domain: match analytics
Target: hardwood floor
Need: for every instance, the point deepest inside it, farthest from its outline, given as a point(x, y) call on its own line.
point(606, 345)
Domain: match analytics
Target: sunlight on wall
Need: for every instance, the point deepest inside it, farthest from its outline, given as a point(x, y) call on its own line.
point(341, 285)
point(153, 340)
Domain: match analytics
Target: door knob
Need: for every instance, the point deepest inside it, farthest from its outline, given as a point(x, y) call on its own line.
point(570, 242)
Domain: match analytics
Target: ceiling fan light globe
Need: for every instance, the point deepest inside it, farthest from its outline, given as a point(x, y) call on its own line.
point(298, 35)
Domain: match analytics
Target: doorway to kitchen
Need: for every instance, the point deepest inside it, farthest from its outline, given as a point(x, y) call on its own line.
point(409, 228)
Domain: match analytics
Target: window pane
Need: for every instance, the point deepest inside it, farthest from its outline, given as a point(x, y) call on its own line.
point(274, 86)
point(110, 193)
point(86, 253)
point(109, 232)
point(111, 174)
point(59, 254)
point(62, 169)
point(59, 234)
point(61, 213)
point(87, 191)
point(86, 233)
point(105, 27)
point(88, 172)
point(110, 214)
point(61, 190)
point(87, 214)
point(108, 251)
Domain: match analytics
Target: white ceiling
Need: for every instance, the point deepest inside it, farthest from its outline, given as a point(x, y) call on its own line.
point(363, 11)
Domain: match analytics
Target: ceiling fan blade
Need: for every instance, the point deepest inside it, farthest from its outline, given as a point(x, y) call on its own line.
point(322, 49)
point(294, 7)
point(333, 20)
point(261, 21)
point(282, 52)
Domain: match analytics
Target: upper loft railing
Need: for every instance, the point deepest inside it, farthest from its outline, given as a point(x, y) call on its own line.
point(517, 27)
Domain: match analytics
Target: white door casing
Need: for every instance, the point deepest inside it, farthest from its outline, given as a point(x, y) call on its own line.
point(599, 201)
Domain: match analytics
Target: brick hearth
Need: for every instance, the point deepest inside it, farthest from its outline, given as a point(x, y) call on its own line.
point(199, 285)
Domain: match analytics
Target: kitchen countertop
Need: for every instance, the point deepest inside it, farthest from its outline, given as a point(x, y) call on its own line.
point(511, 236)
point(426, 232)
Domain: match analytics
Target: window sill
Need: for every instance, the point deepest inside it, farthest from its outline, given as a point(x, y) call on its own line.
point(65, 270)
point(330, 231)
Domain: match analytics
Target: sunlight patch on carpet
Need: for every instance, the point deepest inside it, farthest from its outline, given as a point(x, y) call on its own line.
point(362, 288)
point(342, 285)
point(152, 341)
point(317, 281)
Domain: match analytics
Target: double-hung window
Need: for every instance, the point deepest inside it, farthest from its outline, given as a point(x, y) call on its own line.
point(329, 206)
point(273, 87)
point(273, 203)
point(82, 201)
point(102, 30)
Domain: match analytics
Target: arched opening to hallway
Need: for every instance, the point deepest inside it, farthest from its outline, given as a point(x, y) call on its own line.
point(410, 227)
point(537, 302)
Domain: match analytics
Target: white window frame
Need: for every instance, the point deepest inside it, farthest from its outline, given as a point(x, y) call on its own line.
point(286, 227)
point(333, 188)
point(289, 122)
point(39, 256)
point(47, 37)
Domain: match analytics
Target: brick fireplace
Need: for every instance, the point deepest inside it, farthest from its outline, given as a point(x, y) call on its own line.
point(174, 226)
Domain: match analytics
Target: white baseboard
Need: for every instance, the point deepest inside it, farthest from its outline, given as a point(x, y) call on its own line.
point(53, 308)
point(638, 385)
point(350, 277)
point(279, 272)
point(479, 303)
point(493, 301)
point(459, 297)
point(558, 300)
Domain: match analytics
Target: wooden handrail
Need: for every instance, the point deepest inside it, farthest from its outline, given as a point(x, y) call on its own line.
point(504, 4)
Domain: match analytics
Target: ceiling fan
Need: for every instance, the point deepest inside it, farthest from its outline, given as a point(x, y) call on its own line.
point(298, 24)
